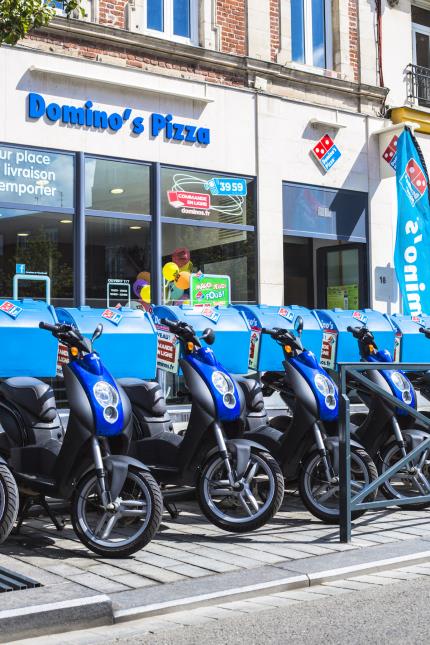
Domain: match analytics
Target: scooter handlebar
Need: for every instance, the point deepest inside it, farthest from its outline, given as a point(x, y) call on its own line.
point(48, 326)
point(425, 330)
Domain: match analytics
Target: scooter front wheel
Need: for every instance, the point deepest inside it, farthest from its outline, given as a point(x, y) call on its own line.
point(321, 497)
point(412, 480)
point(254, 499)
point(124, 529)
point(9, 502)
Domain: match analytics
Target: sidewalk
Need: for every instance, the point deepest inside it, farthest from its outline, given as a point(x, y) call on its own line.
point(191, 562)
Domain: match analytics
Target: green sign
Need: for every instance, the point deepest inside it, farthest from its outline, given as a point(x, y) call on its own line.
point(209, 289)
point(342, 297)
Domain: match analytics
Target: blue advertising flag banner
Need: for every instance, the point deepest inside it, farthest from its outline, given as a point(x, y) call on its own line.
point(412, 251)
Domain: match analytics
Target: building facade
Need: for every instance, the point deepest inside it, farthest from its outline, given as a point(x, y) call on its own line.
point(234, 137)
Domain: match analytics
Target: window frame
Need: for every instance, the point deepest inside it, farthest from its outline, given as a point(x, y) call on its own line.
point(308, 36)
point(167, 33)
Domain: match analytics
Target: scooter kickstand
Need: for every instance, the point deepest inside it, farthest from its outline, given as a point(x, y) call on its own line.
point(23, 513)
point(172, 509)
point(59, 524)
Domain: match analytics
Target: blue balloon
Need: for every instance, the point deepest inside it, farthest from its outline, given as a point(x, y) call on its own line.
point(174, 292)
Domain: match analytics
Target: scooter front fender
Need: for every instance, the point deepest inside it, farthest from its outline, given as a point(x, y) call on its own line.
point(117, 466)
point(241, 448)
point(332, 445)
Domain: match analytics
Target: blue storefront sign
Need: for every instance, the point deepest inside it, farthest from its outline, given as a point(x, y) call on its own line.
point(412, 250)
point(88, 116)
point(227, 186)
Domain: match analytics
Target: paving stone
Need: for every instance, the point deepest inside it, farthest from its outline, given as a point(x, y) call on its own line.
point(348, 584)
point(243, 606)
point(190, 571)
point(134, 581)
point(329, 591)
point(374, 579)
point(103, 585)
point(299, 595)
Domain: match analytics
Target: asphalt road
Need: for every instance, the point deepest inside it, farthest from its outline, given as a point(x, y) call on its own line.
point(397, 613)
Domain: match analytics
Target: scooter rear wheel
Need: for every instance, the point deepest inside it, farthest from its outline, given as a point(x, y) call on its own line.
point(9, 502)
point(320, 497)
point(138, 517)
point(252, 504)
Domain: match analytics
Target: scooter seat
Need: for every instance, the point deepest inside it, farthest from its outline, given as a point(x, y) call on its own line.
point(252, 392)
point(31, 394)
point(161, 450)
point(145, 394)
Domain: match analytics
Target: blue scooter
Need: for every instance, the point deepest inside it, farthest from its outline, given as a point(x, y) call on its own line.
point(116, 505)
point(388, 432)
point(239, 486)
point(308, 446)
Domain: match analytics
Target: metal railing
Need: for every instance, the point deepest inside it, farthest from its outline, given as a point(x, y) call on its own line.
point(418, 82)
point(349, 504)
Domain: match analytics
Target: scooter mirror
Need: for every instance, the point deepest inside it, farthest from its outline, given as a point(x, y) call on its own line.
point(97, 332)
point(208, 336)
point(298, 325)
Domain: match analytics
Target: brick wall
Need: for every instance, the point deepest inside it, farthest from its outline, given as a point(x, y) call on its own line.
point(274, 28)
point(133, 59)
point(353, 36)
point(231, 18)
point(112, 12)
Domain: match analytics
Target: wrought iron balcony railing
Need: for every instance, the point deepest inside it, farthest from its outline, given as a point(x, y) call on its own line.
point(418, 80)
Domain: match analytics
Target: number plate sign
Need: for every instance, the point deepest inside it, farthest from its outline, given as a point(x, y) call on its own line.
point(227, 186)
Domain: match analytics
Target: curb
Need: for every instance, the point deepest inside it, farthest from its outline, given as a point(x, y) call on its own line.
point(286, 584)
point(55, 617)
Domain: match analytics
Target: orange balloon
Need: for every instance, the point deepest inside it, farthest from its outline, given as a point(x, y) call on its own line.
point(144, 275)
point(183, 281)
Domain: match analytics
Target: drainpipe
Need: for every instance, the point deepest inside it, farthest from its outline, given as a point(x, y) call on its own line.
point(378, 4)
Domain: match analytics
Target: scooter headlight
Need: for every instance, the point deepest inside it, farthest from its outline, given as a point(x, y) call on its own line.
point(402, 384)
point(105, 394)
point(327, 389)
point(324, 384)
point(222, 383)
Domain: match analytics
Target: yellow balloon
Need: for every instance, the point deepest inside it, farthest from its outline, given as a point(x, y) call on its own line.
point(145, 293)
point(170, 270)
point(183, 281)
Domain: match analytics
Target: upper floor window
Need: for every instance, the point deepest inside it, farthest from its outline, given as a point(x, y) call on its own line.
point(421, 36)
point(89, 6)
point(311, 32)
point(172, 19)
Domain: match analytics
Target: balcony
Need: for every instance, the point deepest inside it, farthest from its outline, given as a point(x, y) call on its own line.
point(418, 83)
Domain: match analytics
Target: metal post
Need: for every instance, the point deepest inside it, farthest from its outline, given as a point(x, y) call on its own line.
point(79, 233)
point(156, 279)
point(344, 461)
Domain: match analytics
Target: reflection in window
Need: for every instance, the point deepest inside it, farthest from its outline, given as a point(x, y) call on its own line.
point(181, 18)
point(43, 242)
point(116, 249)
point(195, 195)
point(117, 186)
point(175, 19)
point(36, 177)
point(155, 15)
point(311, 32)
point(297, 31)
point(212, 251)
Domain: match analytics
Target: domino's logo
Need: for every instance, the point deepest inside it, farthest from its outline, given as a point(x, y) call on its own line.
point(326, 152)
point(413, 182)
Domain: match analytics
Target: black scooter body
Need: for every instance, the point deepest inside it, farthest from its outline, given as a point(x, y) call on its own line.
point(44, 458)
point(175, 459)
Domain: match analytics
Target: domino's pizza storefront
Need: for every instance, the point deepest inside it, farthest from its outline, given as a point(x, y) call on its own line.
point(45, 230)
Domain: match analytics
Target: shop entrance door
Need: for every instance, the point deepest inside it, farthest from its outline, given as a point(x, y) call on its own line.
point(342, 277)
point(298, 271)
